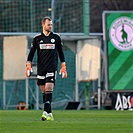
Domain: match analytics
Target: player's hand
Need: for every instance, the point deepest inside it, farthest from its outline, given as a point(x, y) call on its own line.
point(63, 70)
point(28, 69)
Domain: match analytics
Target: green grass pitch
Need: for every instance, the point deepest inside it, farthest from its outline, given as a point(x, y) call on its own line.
point(67, 121)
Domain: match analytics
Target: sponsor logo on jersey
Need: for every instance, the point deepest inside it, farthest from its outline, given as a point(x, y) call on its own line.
point(49, 75)
point(121, 33)
point(47, 46)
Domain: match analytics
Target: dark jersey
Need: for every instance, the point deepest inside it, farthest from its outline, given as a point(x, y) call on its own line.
point(48, 48)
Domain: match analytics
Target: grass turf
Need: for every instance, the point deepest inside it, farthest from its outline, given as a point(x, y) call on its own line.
point(67, 121)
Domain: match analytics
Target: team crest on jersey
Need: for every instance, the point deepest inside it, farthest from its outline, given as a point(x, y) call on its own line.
point(52, 40)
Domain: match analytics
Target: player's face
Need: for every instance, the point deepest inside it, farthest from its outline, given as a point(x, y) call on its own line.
point(47, 26)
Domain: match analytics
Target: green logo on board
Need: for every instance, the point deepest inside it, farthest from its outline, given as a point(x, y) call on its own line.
point(121, 33)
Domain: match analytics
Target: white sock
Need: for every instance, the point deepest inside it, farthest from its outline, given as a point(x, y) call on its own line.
point(50, 114)
point(44, 112)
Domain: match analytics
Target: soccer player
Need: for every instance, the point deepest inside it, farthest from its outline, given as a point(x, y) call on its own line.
point(49, 47)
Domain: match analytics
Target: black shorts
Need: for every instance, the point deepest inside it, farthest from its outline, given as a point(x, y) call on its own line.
point(46, 77)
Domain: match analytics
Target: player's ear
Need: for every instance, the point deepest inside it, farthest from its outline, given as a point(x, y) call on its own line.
point(42, 24)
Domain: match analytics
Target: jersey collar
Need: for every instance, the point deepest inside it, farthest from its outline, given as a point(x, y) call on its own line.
point(48, 35)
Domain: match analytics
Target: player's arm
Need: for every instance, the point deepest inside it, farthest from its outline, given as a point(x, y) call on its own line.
point(30, 58)
point(62, 59)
